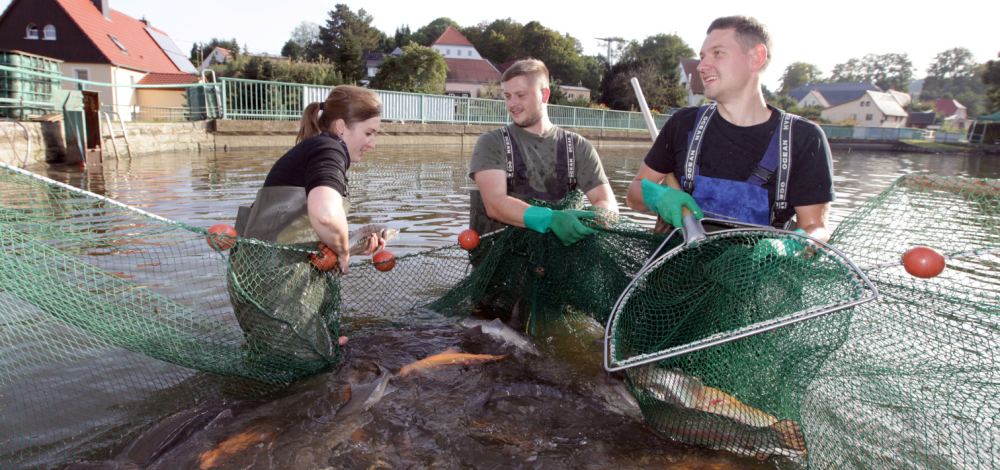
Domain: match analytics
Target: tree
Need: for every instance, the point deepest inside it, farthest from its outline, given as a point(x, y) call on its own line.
point(661, 91)
point(664, 50)
point(954, 72)
point(991, 78)
point(402, 36)
point(419, 70)
point(303, 43)
point(345, 37)
point(798, 74)
point(201, 50)
point(887, 71)
point(263, 68)
point(433, 30)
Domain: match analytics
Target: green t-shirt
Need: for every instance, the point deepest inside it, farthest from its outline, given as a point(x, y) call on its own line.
point(539, 155)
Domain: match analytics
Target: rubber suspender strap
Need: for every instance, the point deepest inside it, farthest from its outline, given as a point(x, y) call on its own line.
point(508, 149)
point(767, 165)
point(705, 114)
point(566, 157)
point(785, 165)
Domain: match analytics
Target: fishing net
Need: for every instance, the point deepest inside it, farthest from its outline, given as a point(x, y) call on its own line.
point(112, 319)
point(792, 377)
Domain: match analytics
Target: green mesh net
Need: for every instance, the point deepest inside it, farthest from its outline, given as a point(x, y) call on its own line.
point(112, 319)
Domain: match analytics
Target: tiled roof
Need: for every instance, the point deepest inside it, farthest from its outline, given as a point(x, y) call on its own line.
point(903, 98)
point(922, 118)
point(835, 93)
point(168, 79)
point(948, 107)
point(471, 71)
point(452, 37)
point(142, 54)
point(887, 104)
point(506, 65)
point(690, 68)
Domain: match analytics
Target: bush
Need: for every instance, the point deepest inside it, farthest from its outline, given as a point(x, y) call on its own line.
point(270, 70)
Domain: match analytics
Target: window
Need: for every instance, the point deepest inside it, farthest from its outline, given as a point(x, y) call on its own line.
point(81, 74)
point(49, 33)
point(868, 117)
point(120, 46)
point(854, 117)
point(31, 32)
point(570, 96)
point(447, 52)
point(470, 53)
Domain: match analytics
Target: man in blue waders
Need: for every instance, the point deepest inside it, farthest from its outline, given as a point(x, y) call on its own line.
point(738, 159)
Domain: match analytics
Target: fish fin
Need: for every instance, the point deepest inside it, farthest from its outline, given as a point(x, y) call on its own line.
point(791, 434)
point(447, 352)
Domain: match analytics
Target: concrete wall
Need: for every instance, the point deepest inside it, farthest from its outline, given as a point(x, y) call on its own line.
point(261, 134)
point(149, 138)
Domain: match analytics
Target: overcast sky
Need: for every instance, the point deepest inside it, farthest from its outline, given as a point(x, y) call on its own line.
point(824, 34)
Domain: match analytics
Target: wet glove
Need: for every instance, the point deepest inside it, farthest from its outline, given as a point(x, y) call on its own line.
point(564, 224)
point(667, 202)
point(779, 247)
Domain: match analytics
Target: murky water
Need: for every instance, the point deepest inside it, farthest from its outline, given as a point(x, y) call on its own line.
point(557, 410)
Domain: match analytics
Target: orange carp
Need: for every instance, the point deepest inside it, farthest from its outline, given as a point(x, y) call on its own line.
point(449, 357)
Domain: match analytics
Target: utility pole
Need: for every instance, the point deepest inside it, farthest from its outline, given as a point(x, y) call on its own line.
point(609, 41)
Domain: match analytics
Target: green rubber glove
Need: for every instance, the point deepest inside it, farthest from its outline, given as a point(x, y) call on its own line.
point(565, 224)
point(667, 202)
point(779, 247)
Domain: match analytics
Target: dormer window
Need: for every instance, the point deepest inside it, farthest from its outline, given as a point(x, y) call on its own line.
point(49, 33)
point(120, 46)
point(31, 32)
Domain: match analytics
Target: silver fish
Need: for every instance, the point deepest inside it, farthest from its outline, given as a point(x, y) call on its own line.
point(358, 240)
point(366, 395)
point(745, 430)
point(501, 331)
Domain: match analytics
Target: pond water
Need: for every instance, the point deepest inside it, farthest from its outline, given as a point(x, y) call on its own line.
point(554, 410)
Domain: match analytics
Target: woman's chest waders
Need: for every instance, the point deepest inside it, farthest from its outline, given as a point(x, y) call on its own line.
point(739, 201)
point(279, 214)
point(517, 180)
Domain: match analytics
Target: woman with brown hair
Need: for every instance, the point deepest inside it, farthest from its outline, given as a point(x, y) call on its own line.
point(281, 302)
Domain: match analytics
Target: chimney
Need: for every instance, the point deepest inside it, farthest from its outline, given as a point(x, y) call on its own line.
point(102, 6)
point(145, 21)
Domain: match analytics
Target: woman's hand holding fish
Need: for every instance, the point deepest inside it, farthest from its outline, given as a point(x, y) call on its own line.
point(375, 245)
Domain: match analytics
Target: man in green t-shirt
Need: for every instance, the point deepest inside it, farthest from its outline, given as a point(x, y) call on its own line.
point(532, 158)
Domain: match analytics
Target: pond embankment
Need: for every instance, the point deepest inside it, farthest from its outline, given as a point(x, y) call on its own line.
point(48, 140)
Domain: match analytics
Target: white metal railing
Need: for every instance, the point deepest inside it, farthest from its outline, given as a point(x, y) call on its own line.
point(148, 113)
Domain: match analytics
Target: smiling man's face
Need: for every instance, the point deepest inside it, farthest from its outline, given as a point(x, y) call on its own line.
point(725, 67)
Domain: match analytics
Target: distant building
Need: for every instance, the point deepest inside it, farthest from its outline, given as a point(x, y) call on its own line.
point(575, 92)
point(814, 98)
point(872, 109)
point(469, 74)
point(218, 55)
point(921, 120)
point(955, 113)
point(834, 93)
point(98, 44)
point(691, 79)
point(374, 60)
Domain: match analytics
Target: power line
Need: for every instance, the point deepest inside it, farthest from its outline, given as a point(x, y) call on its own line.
point(609, 41)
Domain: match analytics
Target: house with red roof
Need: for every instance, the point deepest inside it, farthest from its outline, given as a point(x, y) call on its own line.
point(691, 80)
point(469, 74)
point(99, 44)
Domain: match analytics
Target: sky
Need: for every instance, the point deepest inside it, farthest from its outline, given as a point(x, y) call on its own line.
point(825, 34)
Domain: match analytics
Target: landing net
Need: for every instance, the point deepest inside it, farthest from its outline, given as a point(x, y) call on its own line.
point(112, 319)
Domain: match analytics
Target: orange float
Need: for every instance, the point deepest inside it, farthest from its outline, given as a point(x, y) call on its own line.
point(468, 239)
point(924, 262)
point(221, 236)
point(384, 260)
point(325, 260)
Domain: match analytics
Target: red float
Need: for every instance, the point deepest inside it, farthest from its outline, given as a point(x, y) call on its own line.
point(468, 239)
point(325, 260)
point(924, 262)
point(384, 260)
point(221, 236)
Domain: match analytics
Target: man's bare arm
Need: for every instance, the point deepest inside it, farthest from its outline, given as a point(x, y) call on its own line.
point(603, 196)
point(814, 219)
point(499, 206)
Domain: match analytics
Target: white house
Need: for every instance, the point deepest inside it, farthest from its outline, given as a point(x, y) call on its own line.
point(872, 109)
point(691, 80)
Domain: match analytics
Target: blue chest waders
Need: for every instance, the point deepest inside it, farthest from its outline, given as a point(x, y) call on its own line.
point(739, 201)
